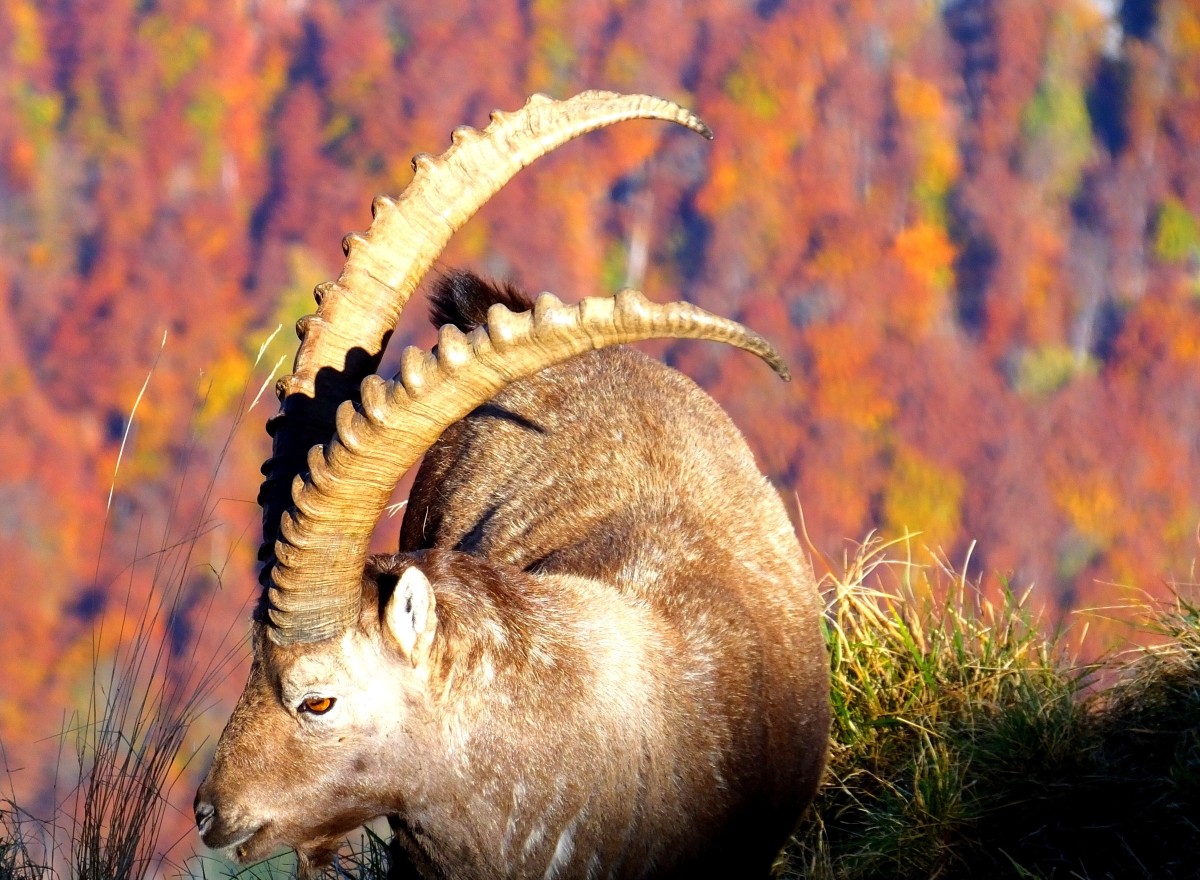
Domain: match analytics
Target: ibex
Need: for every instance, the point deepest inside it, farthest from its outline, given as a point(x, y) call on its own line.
point(598, 651)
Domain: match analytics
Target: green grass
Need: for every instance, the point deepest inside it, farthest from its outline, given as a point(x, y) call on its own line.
point(968, 743)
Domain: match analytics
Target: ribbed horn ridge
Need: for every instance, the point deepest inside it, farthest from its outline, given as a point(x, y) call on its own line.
point(343, 341)
point(316, 589)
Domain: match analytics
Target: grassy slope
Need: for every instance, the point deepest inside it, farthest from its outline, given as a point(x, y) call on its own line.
point(968, 744)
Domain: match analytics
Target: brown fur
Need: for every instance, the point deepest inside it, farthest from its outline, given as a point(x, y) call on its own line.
point(625, 674)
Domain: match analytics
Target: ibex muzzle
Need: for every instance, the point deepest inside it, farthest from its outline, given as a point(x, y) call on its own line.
point(598, 652)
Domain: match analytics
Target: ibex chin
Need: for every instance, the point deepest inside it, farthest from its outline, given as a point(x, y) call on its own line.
point(598, 651)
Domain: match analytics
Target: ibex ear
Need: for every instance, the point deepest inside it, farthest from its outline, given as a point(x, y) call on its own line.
point(411, 615)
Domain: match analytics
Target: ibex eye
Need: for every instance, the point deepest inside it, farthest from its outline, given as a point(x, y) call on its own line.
point(317, 705)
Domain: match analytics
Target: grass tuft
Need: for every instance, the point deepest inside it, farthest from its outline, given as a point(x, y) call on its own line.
point(17, 859)
point(968, 743)
point(150, 680)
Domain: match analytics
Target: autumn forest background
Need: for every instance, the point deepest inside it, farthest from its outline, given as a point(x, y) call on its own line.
point(972, 227)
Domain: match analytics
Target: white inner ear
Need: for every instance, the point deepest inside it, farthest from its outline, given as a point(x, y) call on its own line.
point(410, 613)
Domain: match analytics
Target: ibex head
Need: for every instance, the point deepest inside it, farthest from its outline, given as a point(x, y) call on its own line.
point(353, 655)
point(309, 754)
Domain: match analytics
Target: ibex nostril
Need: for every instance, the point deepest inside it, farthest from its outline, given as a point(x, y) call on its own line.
point(205, 812)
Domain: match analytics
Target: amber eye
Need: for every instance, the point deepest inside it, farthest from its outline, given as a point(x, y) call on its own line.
point(317, 705)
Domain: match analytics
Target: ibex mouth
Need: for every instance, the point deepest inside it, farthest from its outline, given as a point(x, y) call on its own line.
point(242, 845)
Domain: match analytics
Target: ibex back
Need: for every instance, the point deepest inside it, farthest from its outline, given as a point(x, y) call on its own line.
point(598, 652)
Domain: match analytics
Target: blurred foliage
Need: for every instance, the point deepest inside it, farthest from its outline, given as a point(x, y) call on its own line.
point(1048, 368)
point(1177, 236)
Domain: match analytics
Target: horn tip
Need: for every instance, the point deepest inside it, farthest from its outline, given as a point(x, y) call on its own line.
point(762, 347)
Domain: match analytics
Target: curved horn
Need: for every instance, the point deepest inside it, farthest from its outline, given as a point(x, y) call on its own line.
point(324, 541)
point(344, 340)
